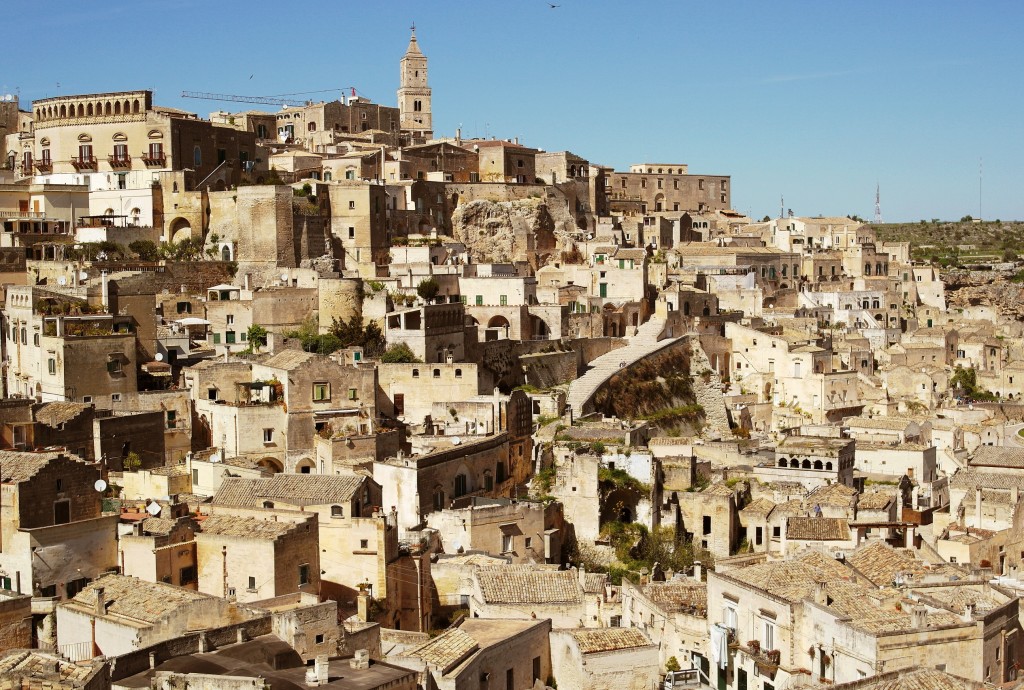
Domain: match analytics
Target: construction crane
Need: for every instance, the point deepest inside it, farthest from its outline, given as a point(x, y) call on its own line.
point(280, 100)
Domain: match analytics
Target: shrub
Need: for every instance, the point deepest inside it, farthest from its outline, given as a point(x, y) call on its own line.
point(428, 289)
point(399, 353)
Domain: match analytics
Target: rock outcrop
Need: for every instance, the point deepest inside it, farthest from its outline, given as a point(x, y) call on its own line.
point(509, 231)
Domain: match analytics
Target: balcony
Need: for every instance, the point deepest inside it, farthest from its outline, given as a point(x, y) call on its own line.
point(44, 166)
point(83, 162)
point(154, 159)
point(124, 161)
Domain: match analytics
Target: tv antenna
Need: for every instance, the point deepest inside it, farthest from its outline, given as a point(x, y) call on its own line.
point(878, 203)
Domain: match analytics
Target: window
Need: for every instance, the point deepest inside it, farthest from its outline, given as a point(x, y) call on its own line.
point(460, 485)
point(352, 394)
point(415, 373)
point(252, 584)
point(729, 616)
point(51, 365)
point(114, 366)
point(115, 397)
point(197, 156)
point(216, 338)
point(229, 337)
point(231, 319)
point(187, 575)
point(364, 544)
point(528, 542)
point(351, 232)
point(615, 622)
point(303, 574)
point(510, 679)
point(321, 391)
point(768, 636)
point(337, 512)
point(319, 638)
point(437, 373)
point(268, 435)
point(503, 300)
point(479, 300)
point(172, 419)
point(351, 205)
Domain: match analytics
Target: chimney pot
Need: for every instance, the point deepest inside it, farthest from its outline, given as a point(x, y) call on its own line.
point(101, 602)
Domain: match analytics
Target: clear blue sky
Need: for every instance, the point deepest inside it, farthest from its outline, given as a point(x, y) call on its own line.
point(813, 100)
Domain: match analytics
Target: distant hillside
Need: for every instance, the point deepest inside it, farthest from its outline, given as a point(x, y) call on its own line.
point(956, 241)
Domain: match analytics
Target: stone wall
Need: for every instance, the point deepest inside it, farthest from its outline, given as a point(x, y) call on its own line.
point(707, 389)
point(544, 370)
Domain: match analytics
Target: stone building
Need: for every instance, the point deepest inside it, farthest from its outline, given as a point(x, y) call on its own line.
point(251, 558)
point(570, 598)
point(604, 659)
point(673, 614)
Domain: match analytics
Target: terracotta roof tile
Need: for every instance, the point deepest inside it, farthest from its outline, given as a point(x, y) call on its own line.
point(594, 640)
point(510, 585)
point(818, 529)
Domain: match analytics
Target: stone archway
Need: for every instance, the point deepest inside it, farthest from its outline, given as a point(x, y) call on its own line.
point(272, 464)
point(180, 230)
point(305, 466)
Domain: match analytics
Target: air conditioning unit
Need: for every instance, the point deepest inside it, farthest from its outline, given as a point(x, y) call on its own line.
point(840, 555)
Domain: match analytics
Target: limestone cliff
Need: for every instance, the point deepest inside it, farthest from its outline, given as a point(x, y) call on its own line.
point(509, 231)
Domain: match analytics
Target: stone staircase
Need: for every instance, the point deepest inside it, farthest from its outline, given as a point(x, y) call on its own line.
point(647, 341)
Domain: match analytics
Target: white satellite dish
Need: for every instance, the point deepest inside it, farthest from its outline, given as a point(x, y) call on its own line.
point(456, 440)
point(153, 509)
point(62, 281)
point(83, 275)
point(159, 357)
point(100, 485)
point(284, 277)
point(215, 458)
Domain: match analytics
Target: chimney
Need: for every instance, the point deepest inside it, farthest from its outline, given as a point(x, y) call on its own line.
point(977, 506)
point(821, 593)
point(697, 574)
point(644, 576)
point(581, 573)
point(101, 602)
point(968, 612)
point(1014, 495)
point(152, 659)
point(321, 665)
point(920, 617)
point(105, 290)
point(361, 660)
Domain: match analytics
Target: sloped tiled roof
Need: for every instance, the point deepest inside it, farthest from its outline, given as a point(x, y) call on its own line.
point(875, 500)
point(881, 563)
point(234, 526)
point(818, 529)
point(970, 477)
point(301, 489)
point(996, 456)
point(288, 359)
point(675, 595)
point(833, 495)
point(908, 679)
point(594, 640)
point(446, 650)
point(54, 414)
point(793, 580)
point(761, 506)
point(510, 585)
point(16, 467)
point(34, 668)
point(134, 598)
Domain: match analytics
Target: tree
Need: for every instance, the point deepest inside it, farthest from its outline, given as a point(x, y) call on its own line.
point(672, 664)
point(766, 219)
point(428, 289)
point(257, 337)
point(352, 333)
point(399, 353)
point(146, 250)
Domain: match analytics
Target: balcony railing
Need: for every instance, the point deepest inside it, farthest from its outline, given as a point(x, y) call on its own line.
point(44, 166)
point(124, 161)
point(83, 162)
point(157, 159)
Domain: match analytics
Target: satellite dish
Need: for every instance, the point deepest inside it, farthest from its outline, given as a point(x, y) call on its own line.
point(159, 357)
point(215, 458)
point(62, 281)
point(284, 276)
point(153, 509)
point(456, 440)
point(83, 276)
point(100, 485)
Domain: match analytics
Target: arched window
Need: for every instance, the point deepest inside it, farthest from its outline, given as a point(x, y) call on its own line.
point(460, 485)
point(806, 464)
point(197, 156)
point(817, 464)
point(794, 463)
point(268, 504)
point(337, 512)
point(782, 462)
point(828, 465)
point(488, 480)
point(438, 498)
point(867, 269)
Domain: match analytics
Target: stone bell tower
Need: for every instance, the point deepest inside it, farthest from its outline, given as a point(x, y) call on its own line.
point(413, 92)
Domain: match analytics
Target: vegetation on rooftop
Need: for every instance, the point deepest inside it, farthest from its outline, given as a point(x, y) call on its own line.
point(637, 548)
point(965, 384)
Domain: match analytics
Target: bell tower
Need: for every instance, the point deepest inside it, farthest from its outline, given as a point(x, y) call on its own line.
point(413, 92)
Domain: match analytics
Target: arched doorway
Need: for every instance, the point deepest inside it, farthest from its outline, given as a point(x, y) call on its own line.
point(305, 466)
point(180, 230)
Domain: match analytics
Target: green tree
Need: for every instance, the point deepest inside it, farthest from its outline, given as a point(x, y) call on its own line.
point(672, 664)
point(428, 289)
point(257, 337)
point(399, 353)
point(146, 250)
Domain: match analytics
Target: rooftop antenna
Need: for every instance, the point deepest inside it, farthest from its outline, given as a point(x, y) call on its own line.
point(782, 206)
point(878, 203)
